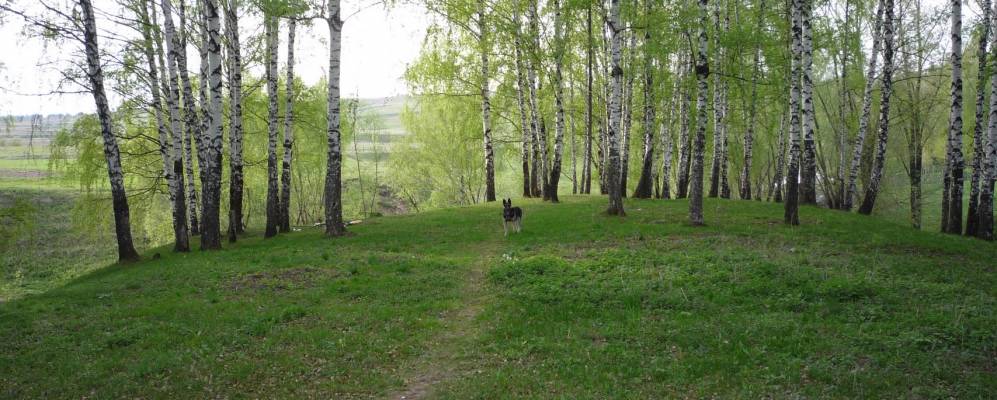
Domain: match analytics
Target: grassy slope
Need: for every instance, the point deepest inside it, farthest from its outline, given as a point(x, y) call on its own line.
point(577, 306)
point(43, 248)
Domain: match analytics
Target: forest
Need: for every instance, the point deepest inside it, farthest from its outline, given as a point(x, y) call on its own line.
point(718, 198)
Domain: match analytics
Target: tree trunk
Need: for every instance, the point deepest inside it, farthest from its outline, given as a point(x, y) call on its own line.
point(539, 133)
point(792, 215)
point(719, 125)
point(870, 83)
point(271, 27)
point(666, 144)
point(211, 236)
point(572, 133)
point(627, 109)
point(725, 153)
point(192, 139)
point(884, 112)
point(95, 75)
point(699, 143)
point(285, 175)
point(843, 121)
point(808, 172)
point(523, 116)
point(685, 153)
point(235, 121)
point(646, 183)
point(985, 225)
point(587, 167)
point(333, 178)
point(776, 191)
point(749, 133)
point(954, 162)
point(973, 218)
point(613, 136)
point(486, 108)
point(550, 192)
point(169, 153)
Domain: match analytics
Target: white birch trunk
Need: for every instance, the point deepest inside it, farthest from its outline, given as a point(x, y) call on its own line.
point(192, 139)
point(699, 142)
point(555, 171)
point(119, 199)
point(870, 83)
point(333, 179)
point(235, 121)
point(285, 174)
point(211, 236)
point(271, 28)
point(486, 107)
point(613, 135)
point(168, 151)
point(808, 172)
point(879, 162)
point(792, 204)
point(955, 164)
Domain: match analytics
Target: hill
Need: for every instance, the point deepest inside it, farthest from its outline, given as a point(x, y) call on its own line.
point(579, 305)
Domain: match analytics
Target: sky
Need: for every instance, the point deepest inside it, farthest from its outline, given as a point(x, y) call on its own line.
point(378, 43)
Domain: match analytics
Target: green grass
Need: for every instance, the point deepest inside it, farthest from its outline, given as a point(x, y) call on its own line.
point(579, 305)
point(40, 246)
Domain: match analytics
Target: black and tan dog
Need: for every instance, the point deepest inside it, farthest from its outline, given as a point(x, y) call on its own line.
point(512, 215)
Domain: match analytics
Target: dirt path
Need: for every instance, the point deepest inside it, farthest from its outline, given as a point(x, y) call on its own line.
point(447, 357)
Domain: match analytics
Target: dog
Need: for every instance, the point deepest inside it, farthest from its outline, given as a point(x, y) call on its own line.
point(512, 215)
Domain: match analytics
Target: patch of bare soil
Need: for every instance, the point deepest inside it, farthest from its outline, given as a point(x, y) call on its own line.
point(281, 280)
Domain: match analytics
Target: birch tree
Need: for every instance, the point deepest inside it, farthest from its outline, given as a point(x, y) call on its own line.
point(95, 76)
point(973, 217)
point(235, 119)
point(555, 171)
point(333, 178)
point(776, 191)
point(646, 182)
point(749, 132)
point(792, 205)
point(192, 139)
point(285, 174)
point(954, 163)
point(523, 115)
point(486, 105)
point(273, 208)
point(613, 134)
point(587, 167)
point(870, 83)
point(685, 150)
point(985, 225)
point(540, 167)
point(879, 162)
point(170, 152)
point(808, 172)
point(211, 236)
point(699, 143)
point(719, 122)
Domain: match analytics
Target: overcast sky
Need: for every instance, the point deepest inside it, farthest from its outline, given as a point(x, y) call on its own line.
point(377, 45)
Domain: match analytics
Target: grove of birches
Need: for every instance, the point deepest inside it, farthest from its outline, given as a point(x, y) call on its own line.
point(807, 103)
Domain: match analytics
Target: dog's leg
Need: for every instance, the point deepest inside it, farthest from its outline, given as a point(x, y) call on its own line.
point(505, 225)
point(519, 225)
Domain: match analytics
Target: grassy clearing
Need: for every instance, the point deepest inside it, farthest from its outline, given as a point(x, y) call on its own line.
point(579, 305)
point(40, 248)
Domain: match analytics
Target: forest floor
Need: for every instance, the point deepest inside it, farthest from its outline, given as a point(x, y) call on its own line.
point(579, 305)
